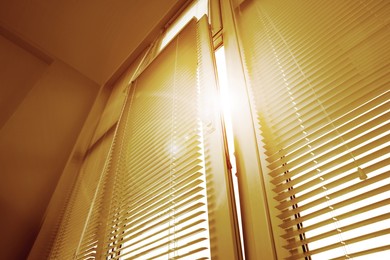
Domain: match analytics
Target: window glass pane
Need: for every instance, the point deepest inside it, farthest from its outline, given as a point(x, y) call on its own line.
point(196, 9)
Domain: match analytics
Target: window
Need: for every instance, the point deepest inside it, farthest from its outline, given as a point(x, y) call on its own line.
point(318, 77)
point(164, 190)
point(310, 118)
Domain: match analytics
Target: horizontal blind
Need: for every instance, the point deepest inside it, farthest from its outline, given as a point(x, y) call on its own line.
point(78, 208)
point(162, 192)
point(159, 207)
point(319, 76)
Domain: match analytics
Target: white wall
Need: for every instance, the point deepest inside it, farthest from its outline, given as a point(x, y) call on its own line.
point(45, 107)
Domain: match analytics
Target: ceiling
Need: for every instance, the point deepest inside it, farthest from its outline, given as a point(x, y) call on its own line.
point(93, 36)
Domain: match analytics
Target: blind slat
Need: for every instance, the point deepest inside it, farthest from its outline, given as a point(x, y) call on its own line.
point(339, 230)
point(140, 251)
point(337, 119)
point(382, 249)
point(364, 209)
point(332, 165)
point(340, 244)
point(135, 239)
point(332, 207)
point(362, 117)
point(341, 192)
point(352, 176)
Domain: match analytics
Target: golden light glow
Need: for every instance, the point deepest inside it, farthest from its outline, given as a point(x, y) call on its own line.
point(225, 102)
